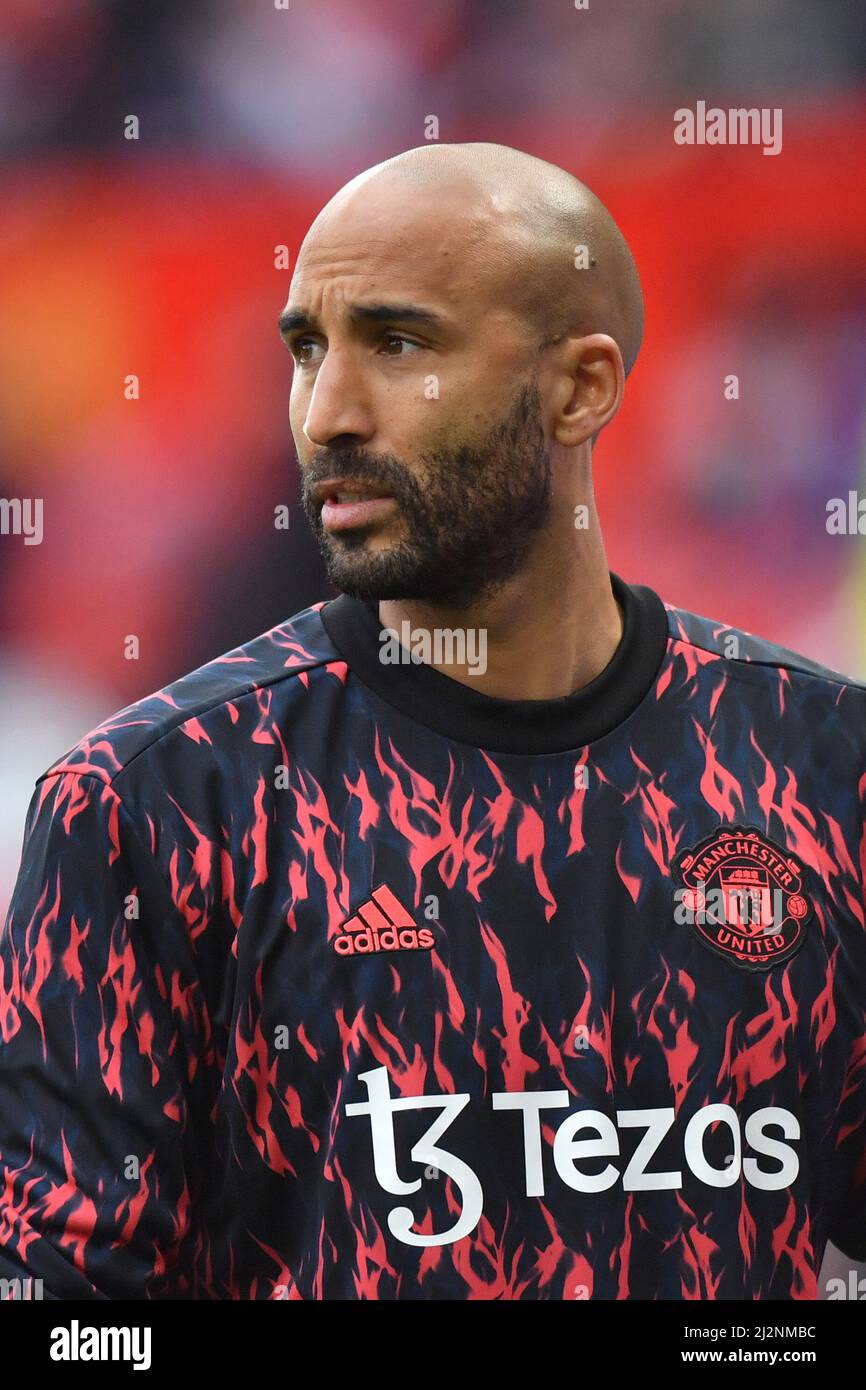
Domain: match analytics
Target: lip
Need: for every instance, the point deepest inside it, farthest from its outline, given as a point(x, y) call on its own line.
point(329, 488)
point(342, 516)
point(373, 504)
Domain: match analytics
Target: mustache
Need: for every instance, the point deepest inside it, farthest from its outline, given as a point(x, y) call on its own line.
point(382, 469)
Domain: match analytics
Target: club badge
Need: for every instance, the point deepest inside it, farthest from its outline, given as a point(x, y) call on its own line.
point(743, 895)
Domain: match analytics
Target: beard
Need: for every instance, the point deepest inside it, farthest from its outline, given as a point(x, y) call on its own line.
point(471, 516)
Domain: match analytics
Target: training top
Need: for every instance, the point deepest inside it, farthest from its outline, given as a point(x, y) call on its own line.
point(327, 976)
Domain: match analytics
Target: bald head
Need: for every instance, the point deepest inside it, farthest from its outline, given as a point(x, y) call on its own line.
point(547, 244)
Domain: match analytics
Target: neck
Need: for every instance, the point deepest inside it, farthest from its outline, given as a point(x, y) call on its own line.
point(544, 635)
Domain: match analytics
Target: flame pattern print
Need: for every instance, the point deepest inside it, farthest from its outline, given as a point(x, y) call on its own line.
point(302, 997)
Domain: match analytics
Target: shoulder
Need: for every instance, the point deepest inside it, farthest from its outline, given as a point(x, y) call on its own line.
point(211, 696)
point(743, 653)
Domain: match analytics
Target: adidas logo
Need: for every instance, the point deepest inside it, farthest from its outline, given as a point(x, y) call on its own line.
point(382, 924)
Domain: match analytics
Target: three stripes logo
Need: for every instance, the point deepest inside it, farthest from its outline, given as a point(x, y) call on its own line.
point(381, 924)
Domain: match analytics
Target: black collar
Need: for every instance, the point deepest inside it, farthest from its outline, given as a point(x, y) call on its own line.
point(509, 726)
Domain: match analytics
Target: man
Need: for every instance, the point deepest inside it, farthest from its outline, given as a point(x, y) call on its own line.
point(494, 930)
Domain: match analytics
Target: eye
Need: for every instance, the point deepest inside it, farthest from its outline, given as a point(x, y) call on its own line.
point(401, 341)
point(303, 349)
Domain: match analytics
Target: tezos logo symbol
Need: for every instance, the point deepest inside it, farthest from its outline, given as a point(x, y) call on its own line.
point(759, 911)
point(749, 1143)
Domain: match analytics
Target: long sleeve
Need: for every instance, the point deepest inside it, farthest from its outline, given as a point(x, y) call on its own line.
point(104, 1087)
point(849, 1231)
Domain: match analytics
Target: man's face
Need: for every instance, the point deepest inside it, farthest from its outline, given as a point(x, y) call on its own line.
point(414, 406)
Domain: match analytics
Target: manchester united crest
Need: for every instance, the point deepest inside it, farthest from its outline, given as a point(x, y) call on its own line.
point(744, 896)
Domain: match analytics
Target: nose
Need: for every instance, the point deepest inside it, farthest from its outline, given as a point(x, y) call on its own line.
point(339, 407)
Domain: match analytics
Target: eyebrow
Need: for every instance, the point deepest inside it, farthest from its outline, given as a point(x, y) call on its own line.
point(294, 320)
